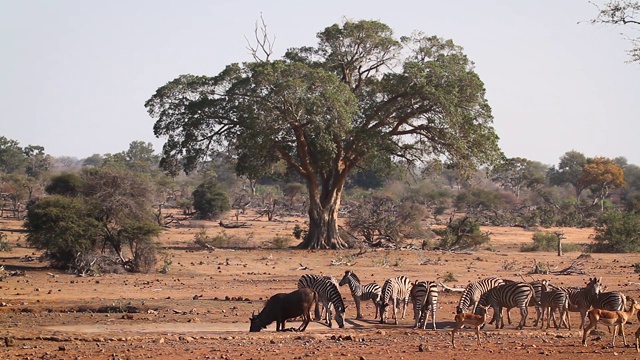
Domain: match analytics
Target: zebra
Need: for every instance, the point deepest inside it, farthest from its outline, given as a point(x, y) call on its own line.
point(395, 290)
point(611, 300)
point(424, 295)
point(552, 299)
point(360, 292)
point(472, 293)
point(329, 295)
point(535, 302)
point(309, 281)
point(581, 299)
point(509, 295)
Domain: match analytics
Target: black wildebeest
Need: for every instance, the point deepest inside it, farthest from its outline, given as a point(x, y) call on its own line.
point(283, 306)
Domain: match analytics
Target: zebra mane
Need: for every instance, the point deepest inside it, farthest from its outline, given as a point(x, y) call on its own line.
point(355, 277)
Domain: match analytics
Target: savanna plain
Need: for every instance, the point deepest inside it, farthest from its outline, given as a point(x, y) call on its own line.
point(199, 307)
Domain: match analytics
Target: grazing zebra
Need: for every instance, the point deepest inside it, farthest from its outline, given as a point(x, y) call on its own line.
point(472, 293)
point(424, 295)
point(395, 290)
point(552, 299)
point(509, 295)
point(360, 292)
point(309, 281)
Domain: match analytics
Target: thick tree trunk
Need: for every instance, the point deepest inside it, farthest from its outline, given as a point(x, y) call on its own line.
point(323, 226)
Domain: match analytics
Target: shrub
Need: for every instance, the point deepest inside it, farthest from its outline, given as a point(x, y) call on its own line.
point(617, 232)
point(4, 243)
point(209, 200)
point(67, 184)
point(461, 234)
point(448, 277)
point(281, 242)
point(636, 268)
point(542, 241)
point(298, 232)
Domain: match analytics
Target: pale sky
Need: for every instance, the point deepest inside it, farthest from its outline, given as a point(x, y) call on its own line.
point(74, 74)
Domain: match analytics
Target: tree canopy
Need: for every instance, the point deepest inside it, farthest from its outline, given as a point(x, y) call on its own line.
point(323, 109)
point(622, 12)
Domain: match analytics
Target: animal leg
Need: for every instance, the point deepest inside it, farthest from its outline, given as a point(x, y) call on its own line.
point(358, 313)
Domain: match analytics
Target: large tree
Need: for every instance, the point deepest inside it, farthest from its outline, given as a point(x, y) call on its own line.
point(323, 109)
point(518, 173)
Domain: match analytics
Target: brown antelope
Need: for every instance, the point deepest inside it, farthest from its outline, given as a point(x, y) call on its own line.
point(474, 320)
point(608, 317)
point(638, 336)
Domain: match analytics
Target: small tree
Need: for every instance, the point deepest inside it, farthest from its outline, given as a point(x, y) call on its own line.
point(617, 232)
point(66, 184)
point(60, 226)
point(209, 200)
point(461, 233)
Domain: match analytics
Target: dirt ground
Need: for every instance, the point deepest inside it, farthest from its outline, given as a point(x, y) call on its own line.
point(200, 308)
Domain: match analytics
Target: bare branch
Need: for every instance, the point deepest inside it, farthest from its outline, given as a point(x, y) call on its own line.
point(264, 45)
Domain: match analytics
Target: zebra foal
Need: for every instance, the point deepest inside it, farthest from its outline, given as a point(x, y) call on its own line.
point(361, 292)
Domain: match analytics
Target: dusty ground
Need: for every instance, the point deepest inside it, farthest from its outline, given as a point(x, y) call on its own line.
point(200, 308)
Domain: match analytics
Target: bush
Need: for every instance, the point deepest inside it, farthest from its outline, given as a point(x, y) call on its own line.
point(617, 232)
point(67, 184)
point(461, 234)
point(61, 227)
point(298, 232)
point(542, 241)
point(281, 242)
point(210, 201)
point(222, 240)
point(4, 243)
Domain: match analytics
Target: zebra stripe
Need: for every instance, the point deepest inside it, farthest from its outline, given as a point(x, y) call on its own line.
point(395, 290)
point(580, 299)
point(535, 302)
point(309, 281)
point(360, 292)
point(612, 300)
point(329, 294)
point(424, 295)
point(474, 291)
point(509, 295)
point(552, 299)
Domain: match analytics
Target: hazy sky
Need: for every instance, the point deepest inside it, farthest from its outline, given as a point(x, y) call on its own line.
point(74, 74)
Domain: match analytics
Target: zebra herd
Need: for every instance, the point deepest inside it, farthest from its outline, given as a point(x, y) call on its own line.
point(609, 308)
point(395, 291)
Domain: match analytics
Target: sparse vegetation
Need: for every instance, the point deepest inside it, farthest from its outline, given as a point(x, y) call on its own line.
point(281, 242)
point(4, 243)
point(449, 277)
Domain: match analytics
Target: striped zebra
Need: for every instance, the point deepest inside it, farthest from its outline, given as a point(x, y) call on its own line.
point(309, 281)
point(552, 299)
point(509, 295)
point(611, 300)
point(581, 299)
point(472, 293)
point(424, 296)
point(330, 297)
point(395, 290)
point(360, 292)
point(535, 302)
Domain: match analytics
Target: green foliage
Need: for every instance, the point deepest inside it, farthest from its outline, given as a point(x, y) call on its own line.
point(324, 109)
point(4, 243)
point(12, 158)
point(281, 242)
point(542, 241)
point(461, 233)
point(617, 232)
point(449, 277)
point(66, 184)
point(221, 240)
point(209, 200)
point(298, 232)
point(61, 227)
